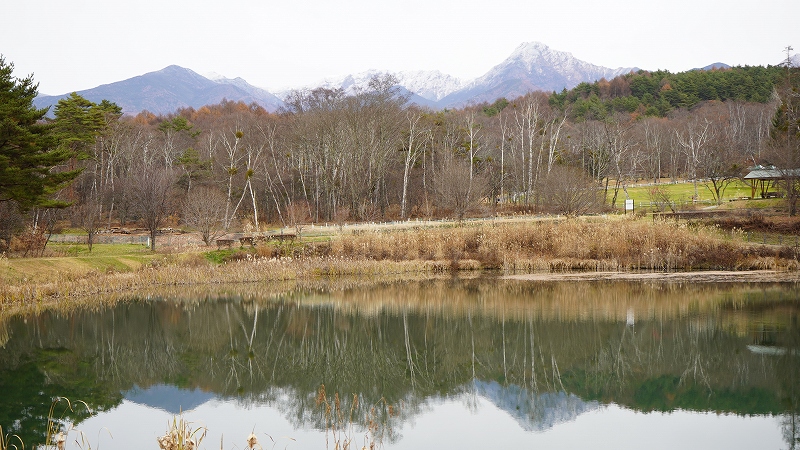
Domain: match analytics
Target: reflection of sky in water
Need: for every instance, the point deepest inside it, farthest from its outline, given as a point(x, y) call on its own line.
point(257, 368)
point(466, 421)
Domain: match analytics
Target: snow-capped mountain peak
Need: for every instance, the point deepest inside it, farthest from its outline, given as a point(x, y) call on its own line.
point(531, 66)
point(537, 58)
point(214, 76)
point(431, 85)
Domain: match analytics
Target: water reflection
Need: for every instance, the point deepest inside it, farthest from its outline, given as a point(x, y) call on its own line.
point(542, 354)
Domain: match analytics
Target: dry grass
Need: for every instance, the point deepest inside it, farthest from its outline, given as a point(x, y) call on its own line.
point(339, 417)
point(599, 244)
point(181, 435)
point(10, 441)
point(59, 428)
point(574, 244)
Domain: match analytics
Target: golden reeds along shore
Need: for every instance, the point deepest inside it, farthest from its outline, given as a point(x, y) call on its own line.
point(597, 244)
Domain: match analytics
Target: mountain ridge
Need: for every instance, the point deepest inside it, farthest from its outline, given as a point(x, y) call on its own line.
point(531, 66)
point(167, 90)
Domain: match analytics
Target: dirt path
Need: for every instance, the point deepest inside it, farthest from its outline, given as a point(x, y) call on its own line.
point(716, 276)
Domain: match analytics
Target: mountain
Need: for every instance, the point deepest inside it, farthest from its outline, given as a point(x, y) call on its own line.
point(269, 101)
point(166, 90)
point(429, 84)
point(532, 66)
point(714, 66)
point(423, 87)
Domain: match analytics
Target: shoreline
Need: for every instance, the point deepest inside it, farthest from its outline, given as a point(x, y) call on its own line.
point(707, 276)
point(571, 250)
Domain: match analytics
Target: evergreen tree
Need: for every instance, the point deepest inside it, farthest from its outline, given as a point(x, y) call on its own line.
point(78, 122)
point(29, 154)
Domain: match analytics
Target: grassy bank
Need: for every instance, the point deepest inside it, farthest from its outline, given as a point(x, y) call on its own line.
point(589, 244)
point(66, 260)
point(683, 195)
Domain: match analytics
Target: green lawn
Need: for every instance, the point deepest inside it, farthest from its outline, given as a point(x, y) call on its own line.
point(682, 194)
point(75, 259)
point(69, 249)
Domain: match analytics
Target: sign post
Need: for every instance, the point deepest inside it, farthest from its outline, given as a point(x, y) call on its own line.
point(628, 205)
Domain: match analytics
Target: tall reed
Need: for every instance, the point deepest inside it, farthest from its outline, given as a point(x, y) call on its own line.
point(572, 244)
point(181, 435)
point(339, 416)
point(10, 441)
point(600, 244)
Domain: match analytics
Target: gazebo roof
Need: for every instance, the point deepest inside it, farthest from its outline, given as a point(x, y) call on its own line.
point(763, 174)
point(770, 173)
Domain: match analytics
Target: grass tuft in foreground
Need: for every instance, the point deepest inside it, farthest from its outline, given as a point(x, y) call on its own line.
point(181, 435)
point(10, 441)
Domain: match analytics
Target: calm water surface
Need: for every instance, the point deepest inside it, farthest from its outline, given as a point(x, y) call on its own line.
point(470, 364)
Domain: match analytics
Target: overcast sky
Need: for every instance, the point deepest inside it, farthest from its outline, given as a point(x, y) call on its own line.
point(70, 45)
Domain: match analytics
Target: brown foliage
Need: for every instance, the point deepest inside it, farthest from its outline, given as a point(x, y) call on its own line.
point(759, 222)
point(32, 241)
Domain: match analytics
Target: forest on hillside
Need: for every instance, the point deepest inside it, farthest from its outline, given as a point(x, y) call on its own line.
point(371, 156)
point(660, 93)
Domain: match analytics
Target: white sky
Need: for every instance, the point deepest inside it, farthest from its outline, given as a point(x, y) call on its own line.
point(70, 45)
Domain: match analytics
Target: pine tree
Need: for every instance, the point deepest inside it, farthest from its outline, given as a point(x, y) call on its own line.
point(29, 154)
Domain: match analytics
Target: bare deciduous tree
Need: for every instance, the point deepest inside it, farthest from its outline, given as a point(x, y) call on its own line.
point(455, 191)
point(695, 135)
point(413, 147)
point(204, 210)
point(298, 216)
point(88, 216)
point(570, 191)
point(153, 200)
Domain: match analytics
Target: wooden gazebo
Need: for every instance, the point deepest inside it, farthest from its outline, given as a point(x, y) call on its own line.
point(762, 177)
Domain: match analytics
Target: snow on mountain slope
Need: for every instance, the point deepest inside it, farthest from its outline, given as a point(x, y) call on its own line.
point(532, 66)
point(431, 85)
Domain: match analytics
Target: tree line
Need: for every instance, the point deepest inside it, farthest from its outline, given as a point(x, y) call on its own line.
point(334, 157)
point(659, 93)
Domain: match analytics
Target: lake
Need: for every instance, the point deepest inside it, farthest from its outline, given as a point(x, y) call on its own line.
point(442, 363)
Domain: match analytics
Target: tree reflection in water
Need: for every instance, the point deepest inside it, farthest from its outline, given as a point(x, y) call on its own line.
point(544, 352)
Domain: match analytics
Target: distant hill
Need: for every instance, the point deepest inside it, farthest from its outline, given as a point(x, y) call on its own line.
point(169, 89)
point(716, 65)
